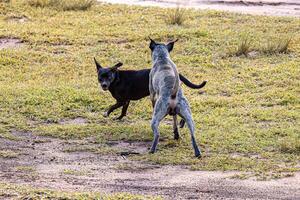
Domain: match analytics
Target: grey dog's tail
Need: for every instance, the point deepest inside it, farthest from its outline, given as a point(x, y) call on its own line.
point(190, 84)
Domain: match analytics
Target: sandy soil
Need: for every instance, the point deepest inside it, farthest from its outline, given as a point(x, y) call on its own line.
point(44, 162)
point(256, 7)
point(9, 43)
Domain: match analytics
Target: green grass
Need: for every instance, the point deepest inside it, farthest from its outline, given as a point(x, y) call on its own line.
point(63, 4)
point(20, 192)
point(8, 154)
point(74, 172)
point(247, 119)
point(25, 168)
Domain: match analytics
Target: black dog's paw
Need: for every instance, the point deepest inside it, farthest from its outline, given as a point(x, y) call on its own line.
point(152, 151)
point(176, 134)
point(181, 123)
point(118, 118)
point(105, 114)
point(198, 154)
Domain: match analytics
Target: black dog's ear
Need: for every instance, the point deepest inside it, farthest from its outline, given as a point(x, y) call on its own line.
point(97, 65)
point(170, 45)
point(116, 66)
point(152, 44)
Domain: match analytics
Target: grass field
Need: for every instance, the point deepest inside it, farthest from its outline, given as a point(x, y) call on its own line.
point(247, 118)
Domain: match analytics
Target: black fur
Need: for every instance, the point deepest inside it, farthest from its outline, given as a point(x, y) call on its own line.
point(127, 85)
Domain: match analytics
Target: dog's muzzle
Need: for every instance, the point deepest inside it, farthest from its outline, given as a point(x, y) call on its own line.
point(104, 87)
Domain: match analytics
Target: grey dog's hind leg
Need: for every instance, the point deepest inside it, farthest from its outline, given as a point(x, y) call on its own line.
point(185, 113)
point(175, 128)
point(160, 111)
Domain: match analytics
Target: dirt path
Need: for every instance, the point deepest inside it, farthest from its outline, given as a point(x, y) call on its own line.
point(256, 7)
point(44, 162)
point(9, 43)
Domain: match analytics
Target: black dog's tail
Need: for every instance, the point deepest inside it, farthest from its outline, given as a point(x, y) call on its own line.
point(190, 84)
point(193, 86)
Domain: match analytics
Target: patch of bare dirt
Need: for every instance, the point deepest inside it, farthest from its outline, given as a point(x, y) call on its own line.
point(130, 147)
point(76, 121)
point(43, 162)
point(9, 43)
point(18, 19)
point(256, 7)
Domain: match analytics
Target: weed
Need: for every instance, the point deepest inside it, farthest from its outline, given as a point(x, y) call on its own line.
point(176, 16)
point(244, 45)
point(276, 46)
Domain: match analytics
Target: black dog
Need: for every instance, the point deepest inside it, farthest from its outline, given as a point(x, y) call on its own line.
point(129, 85)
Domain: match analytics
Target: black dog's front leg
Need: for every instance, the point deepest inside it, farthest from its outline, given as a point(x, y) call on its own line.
point(124, 110)
point(113, 107)
point(182, 122)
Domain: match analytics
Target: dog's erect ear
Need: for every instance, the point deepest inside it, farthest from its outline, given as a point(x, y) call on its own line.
point(152, 44)
point(97, 65)
point(116, 66)
point(170, 45)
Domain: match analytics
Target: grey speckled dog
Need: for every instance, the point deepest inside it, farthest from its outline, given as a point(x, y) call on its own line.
point(166, 94)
